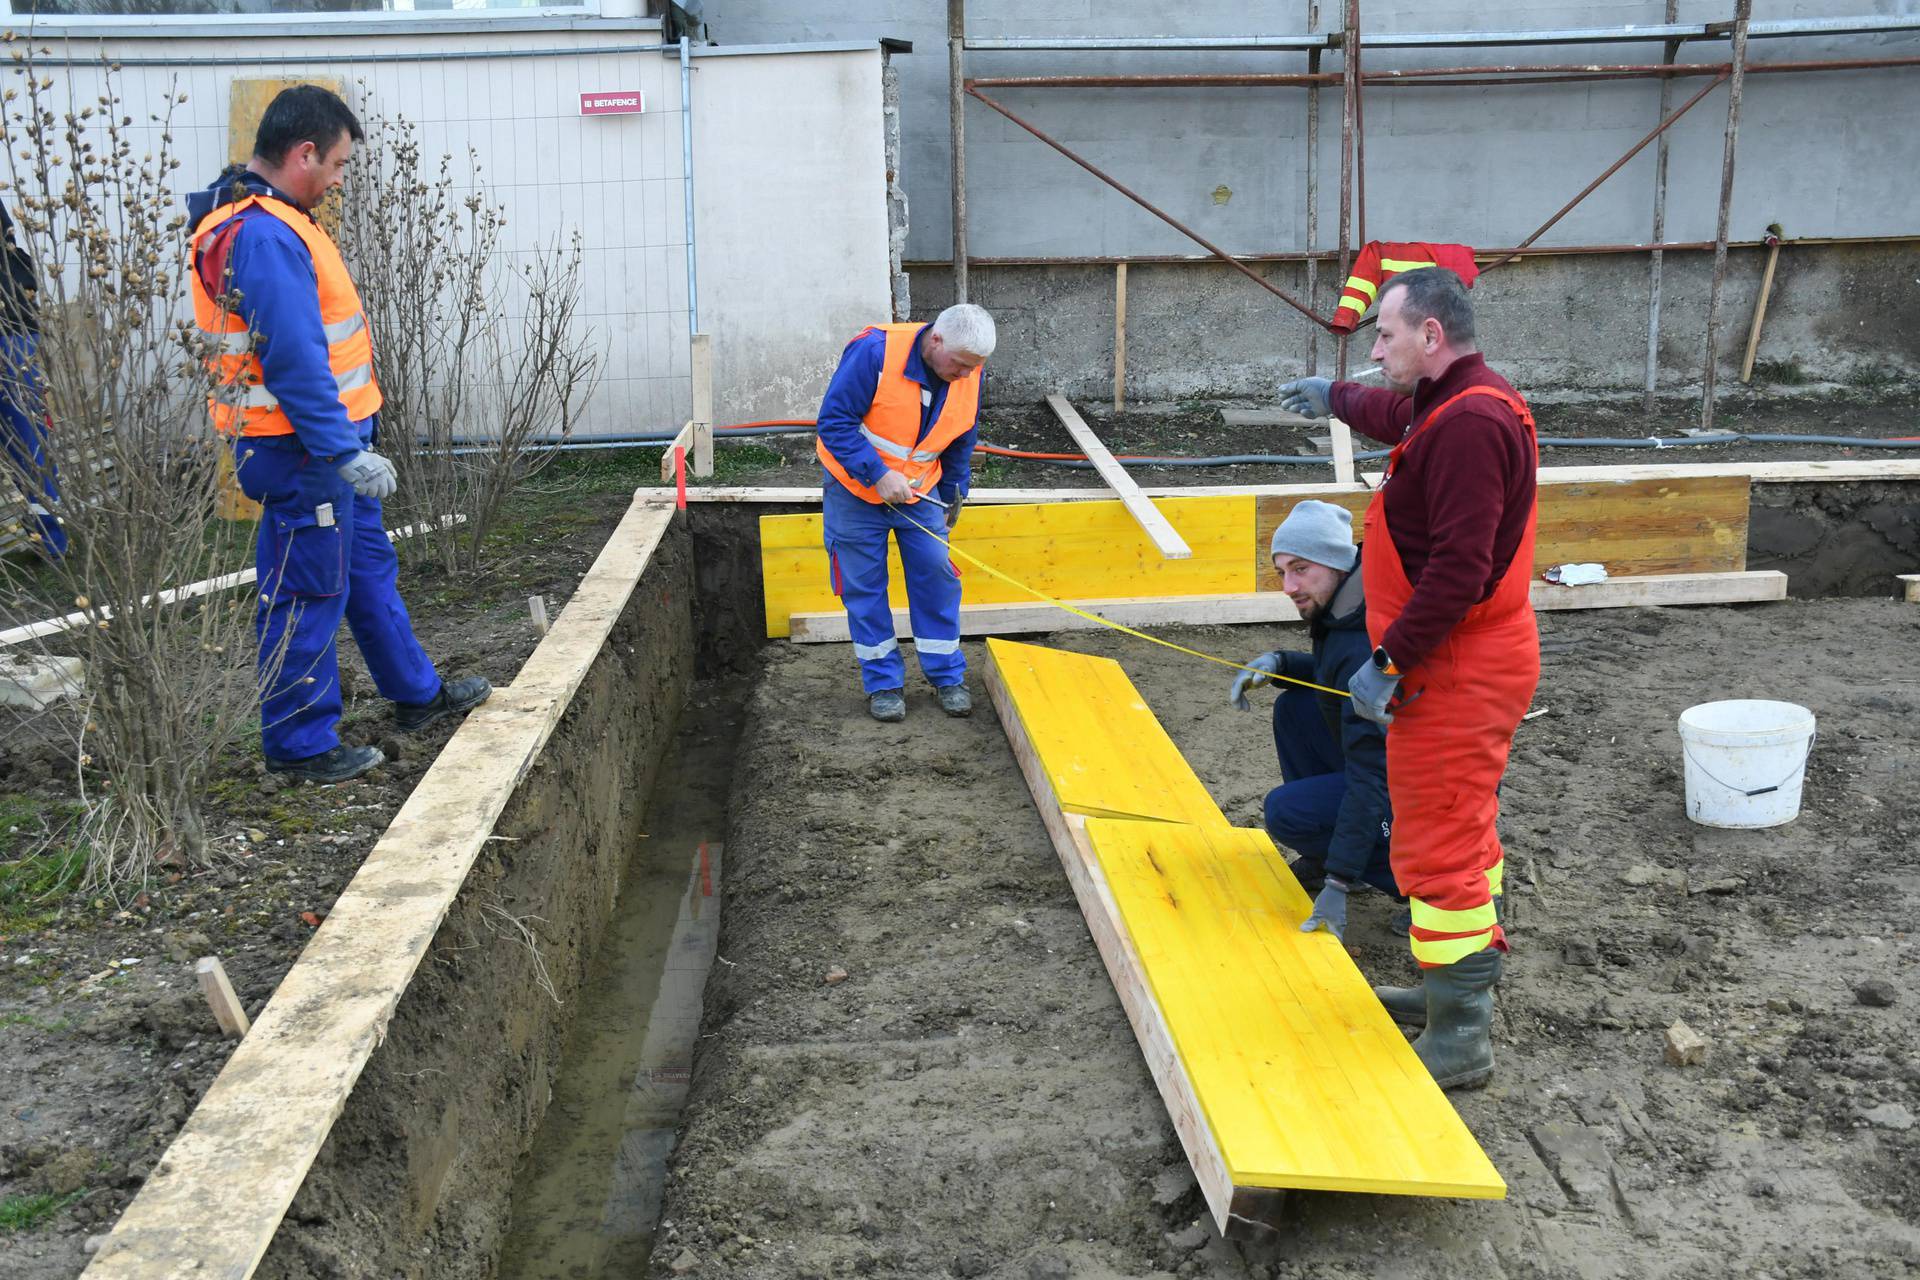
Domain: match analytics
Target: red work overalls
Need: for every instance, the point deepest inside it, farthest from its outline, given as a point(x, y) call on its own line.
point(1447, 747)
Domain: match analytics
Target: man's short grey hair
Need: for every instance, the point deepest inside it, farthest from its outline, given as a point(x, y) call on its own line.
point(1435, 293)
point(967, 330)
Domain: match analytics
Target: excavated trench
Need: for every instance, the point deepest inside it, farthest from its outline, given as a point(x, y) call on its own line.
point(518, 1119)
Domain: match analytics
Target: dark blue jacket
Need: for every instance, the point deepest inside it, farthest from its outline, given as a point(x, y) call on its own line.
point(850, 395)
point(1340, 645)
point(280, 301)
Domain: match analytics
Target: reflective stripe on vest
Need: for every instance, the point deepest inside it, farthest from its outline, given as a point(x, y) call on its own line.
point(892, 423)
point(246, 406)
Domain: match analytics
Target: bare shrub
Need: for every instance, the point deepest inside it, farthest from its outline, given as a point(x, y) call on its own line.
point(121, 374)
point(482, 360)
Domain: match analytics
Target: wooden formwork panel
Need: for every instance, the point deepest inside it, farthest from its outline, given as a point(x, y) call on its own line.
point(1066, 549)
point(1636, 528)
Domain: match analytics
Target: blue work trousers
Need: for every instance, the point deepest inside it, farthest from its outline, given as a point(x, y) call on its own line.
point(856, 537)
point(322, 555)
point(1302, 812)
point(24, 417)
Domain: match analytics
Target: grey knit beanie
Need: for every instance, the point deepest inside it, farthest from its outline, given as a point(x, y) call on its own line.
point(1320, 532)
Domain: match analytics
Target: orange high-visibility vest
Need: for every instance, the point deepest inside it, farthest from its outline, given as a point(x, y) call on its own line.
point(255, 410)
point(892, 424)
point(1380, 261)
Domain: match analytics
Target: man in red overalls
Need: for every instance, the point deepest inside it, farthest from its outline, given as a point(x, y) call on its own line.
point(1448, 558)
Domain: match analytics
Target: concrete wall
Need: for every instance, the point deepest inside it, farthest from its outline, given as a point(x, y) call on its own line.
point(790, 189)
point(1843, 313)
point(1824, 155)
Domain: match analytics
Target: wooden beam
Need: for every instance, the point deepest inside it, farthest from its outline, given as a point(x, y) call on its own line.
point(1274, 607)
point(1342, 438)
point(1912, 582)
point(331, 1010)
point(1119, 336)
point(1164, 536)
point(227, 1009)
point(683, 440)
point(1836, 472)
point(701, 362)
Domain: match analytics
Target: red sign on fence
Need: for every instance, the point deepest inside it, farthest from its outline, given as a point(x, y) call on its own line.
point(624, 102)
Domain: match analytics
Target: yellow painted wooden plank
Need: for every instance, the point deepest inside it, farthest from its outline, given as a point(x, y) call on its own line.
point(1071, 550)
point(1102, 749)
point(1302, 1076)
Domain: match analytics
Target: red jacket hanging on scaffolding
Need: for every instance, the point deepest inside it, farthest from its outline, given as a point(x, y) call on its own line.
point(1382, 260)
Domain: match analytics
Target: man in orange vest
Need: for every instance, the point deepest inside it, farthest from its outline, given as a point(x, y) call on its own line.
point(299, 397)
point(896, 434)
point(1447, 562)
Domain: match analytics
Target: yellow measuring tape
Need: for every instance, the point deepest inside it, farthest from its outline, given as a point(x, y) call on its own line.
point(1038, 594)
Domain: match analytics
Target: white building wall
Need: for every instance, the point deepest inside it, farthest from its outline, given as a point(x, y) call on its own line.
point(617, 180)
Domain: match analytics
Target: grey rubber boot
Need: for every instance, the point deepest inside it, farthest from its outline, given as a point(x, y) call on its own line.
point(1408, 1005)
point(1457, 1046)
point(888, 705)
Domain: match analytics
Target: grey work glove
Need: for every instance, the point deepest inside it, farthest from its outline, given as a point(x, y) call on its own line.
point(953, 509)
point(1373, 691)
point(371, 475)
point(1307, 397)
point(1267, 664)
point(1329, 910)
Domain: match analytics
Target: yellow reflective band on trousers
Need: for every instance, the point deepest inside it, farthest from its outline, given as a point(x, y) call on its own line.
point(1355, 303)
point(1449, 950)
point(1390, 264)
point(1360, 284)
point(1439, 920)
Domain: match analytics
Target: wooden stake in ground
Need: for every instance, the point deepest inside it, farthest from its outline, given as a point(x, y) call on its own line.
point(702, 365)
point(1341, 437)
point(227, 1010)
point(1164, 536)
point(1119, 336)
point(537, 606)
point(1760, 304)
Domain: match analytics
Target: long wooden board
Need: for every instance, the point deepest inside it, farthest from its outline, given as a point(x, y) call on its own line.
point(217, 1197)
point(1064, 549)
point(1635, 527)
point(1138, 505)
point(1271, 606)
point(1278, 1066)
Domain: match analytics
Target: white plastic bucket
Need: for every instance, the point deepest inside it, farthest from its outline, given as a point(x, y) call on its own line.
point(1745, 761)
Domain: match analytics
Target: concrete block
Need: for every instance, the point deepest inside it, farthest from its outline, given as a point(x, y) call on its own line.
point(1685, 1046)
point(38, 681)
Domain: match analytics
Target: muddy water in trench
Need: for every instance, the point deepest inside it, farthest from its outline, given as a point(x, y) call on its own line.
point(588, 1197)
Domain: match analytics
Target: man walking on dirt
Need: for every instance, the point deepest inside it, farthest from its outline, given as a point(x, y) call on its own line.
point(896, 433)
point(303, 408)
point(1331, 807)
point(1448, 561)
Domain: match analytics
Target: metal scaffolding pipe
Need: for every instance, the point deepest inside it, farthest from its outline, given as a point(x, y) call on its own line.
point(1153, 209)
point(1313, 193)
point(1323, 255)
point(1350, 89)
point(957, 126)
point(1742, 15)
point(1656, 260)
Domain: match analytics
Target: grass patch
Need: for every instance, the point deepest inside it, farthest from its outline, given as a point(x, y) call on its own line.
point(1876, 377)
point(1784, 373)
point(21, 1213)
point(38, 866)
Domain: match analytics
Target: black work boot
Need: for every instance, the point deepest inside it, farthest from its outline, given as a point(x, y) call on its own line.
point(340, 764)
point(954, 699)
point(454, 697)
point(1457, 1046)
point(887, 705)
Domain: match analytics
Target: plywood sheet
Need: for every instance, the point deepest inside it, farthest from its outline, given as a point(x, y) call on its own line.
point(1634, 527)
point(1302, 1076)
point(1099, 744)
point(1071, 550)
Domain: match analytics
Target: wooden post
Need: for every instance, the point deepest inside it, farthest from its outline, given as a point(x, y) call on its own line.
point(702, 364)
point(681, 442)
point(537, 606)
point(227, 1010)
point(1342, 437)
point(1119, 336)
point(1760, 304)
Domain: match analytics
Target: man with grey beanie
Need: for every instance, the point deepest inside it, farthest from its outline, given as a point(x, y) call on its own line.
point(1332, 807)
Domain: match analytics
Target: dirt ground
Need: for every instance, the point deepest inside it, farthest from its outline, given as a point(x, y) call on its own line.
point(105, 1042)
point(970, 1100)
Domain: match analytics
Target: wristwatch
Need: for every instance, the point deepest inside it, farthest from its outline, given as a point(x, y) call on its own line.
point(1383, 662)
